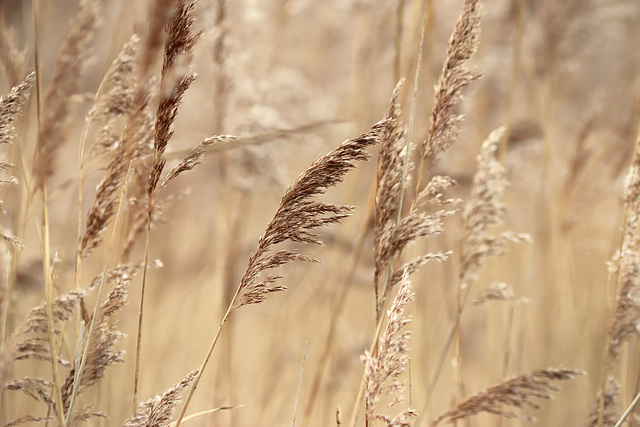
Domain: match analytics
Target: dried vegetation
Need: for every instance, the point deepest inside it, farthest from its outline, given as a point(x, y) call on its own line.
point(106, 105)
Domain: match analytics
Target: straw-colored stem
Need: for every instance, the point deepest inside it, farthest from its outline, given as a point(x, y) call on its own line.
point(85, 352)
point(412, 115)
point(207, 357)
point(295, 408)
point(628, 411)
point(48, 286)
point(360, 396)
point(136, 375)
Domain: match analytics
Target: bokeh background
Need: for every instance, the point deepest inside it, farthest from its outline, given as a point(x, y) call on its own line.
point(562, 75)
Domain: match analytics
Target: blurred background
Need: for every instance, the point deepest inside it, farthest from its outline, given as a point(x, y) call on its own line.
point(561, 75)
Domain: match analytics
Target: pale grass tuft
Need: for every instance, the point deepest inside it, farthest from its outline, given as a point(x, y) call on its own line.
point(516, 392)
point(626, 315)
point(611, 411)
point(498, 292)
point(65, 84)
point(194, 158)
point(384, 367)
point(12, 60)
point(101, 353)
point(11, 107)
point(31, 343)
point(484, 212)
point(121, 83)
point(37, 388)
point(158, 411)
point(27, 419)
point(455, 77)
point(132, 145)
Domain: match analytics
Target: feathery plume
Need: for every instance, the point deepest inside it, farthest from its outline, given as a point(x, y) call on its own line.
point(105, 202)
point(611, 411)
point(174, 83)
point(484, 212)
point(392, 233)
point(626, 316)
point(101, 353)
point(37, 388)
point(383, 368)
point(194, 158)
point(27, 419)
point(516, 392)
point(454, 77)
point(157, 411)
point(120, 81)
point(11, 107)
point(96, 349)
point(498, 292)
point(65, 84)
point(298, 216)
point(12, 60)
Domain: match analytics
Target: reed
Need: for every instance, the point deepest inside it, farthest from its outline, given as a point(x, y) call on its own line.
point(165, 164)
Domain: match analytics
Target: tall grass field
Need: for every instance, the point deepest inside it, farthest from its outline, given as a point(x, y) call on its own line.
point(320, 213)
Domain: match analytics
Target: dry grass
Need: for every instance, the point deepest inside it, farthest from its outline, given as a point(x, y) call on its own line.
point(121, 275)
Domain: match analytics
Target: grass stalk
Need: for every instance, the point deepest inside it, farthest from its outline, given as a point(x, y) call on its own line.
point(83, 360)
point(46, 257)
point(358, 402)
point(145, 268)
point(205, 362)
point(295, 408)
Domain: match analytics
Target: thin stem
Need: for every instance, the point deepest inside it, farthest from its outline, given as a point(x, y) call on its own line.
point(416, 83)
point(628, 411)
point(513, 77)
point(81, 176)
point(295, 408)
point(85, 353)
point(381, 305)
point(359, 397)
point(45, 233)
point(207, 357)
point(397, 59)
point(49, 308)
point(136, 375)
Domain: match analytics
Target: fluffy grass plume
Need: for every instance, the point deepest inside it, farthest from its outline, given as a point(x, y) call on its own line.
point(517, 392)
point(298, 215)
point(463, 43)
point(157, 411)
point(65, 85)
point(384, 368)
point(11, 107)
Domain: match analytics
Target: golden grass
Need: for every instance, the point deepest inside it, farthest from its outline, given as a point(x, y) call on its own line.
point(122, 276)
